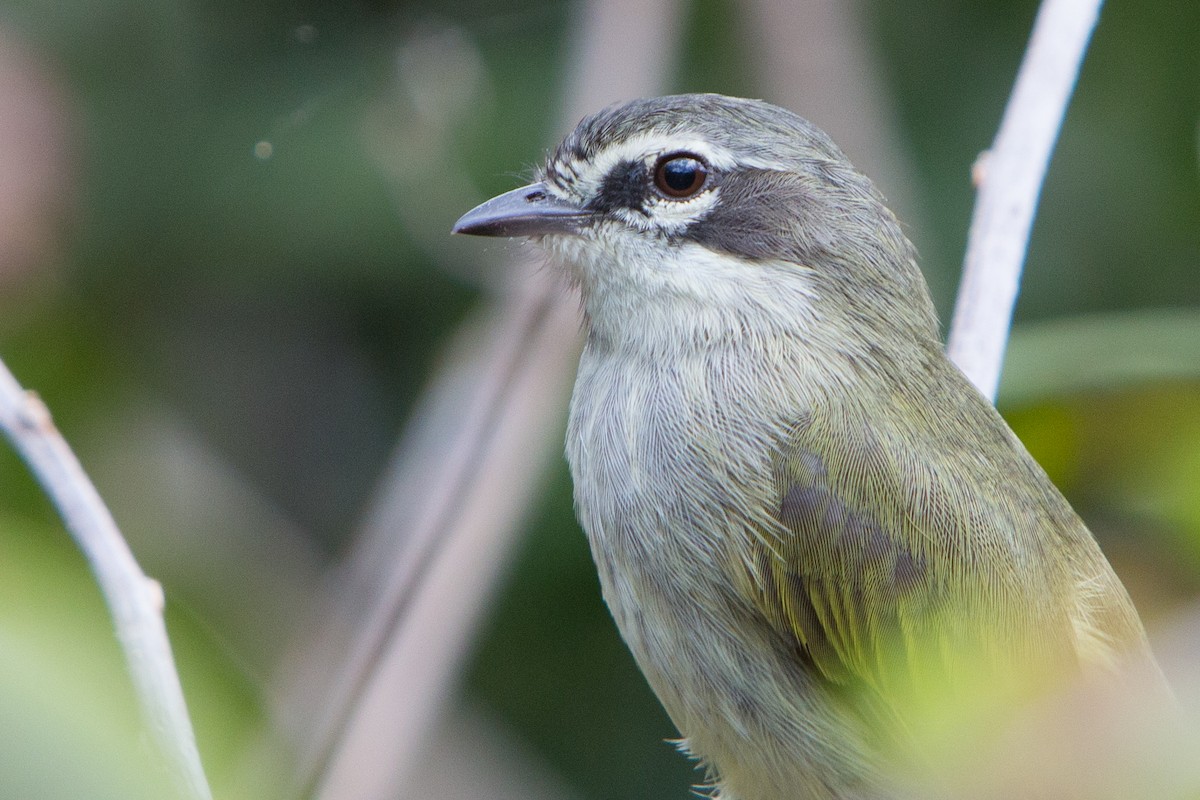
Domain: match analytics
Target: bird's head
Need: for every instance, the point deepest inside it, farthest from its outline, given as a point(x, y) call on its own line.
point(724, 214)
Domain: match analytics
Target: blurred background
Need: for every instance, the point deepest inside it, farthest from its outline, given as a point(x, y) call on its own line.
point(225, 265)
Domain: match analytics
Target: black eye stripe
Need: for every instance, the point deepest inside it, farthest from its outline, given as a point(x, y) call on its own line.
point(637, 184)
point(625, 186)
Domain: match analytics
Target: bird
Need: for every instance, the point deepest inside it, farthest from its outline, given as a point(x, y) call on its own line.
point(814, 534)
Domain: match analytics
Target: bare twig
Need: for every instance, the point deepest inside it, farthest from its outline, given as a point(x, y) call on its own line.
point(134, 600)
point(448, 542)
point(1011, 182)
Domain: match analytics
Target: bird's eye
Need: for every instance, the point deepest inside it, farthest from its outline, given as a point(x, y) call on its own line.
point(680, 175)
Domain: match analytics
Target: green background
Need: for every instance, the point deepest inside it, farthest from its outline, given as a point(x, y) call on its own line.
point(276, 315)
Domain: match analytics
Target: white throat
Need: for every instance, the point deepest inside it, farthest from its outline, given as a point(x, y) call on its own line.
point(663, 299)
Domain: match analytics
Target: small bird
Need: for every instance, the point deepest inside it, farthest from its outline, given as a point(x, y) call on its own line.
point(814, 534)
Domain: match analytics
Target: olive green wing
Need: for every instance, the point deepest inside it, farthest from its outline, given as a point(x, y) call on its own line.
point(928, 556)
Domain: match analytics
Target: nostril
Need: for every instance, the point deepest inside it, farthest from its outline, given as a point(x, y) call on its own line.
point(536, 196)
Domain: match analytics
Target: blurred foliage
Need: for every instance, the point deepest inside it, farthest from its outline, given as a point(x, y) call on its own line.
point(250, 238)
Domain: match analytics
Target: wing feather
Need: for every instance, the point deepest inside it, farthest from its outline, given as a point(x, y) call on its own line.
point(904, 569)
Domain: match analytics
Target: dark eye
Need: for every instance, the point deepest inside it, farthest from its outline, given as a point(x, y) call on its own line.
point(680, 175)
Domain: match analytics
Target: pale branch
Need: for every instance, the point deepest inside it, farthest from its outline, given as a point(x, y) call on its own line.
point(135, 601)
point(1012, 172)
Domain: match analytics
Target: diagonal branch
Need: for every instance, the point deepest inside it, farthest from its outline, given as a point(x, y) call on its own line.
point(134, 600)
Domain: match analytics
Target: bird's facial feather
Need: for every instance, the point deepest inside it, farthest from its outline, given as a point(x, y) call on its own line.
point(779, 210)
point(616, 181)
point(775, 186)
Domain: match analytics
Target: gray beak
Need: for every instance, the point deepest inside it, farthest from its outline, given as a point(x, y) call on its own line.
point(528, 211)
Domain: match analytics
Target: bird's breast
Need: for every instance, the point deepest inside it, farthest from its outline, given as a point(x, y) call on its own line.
point(669, 467)
point(654, 469)
point(672, 465)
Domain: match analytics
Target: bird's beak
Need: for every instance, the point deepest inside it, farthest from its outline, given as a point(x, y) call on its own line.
point(528, 211)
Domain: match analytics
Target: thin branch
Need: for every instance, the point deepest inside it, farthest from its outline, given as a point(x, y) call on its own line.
point(134, 600)
point(1013, 171)
point(448, 543)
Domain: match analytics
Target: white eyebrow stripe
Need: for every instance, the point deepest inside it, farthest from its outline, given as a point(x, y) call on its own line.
point(645, 146)
point(652, 144)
